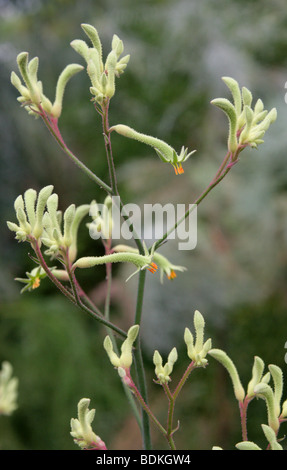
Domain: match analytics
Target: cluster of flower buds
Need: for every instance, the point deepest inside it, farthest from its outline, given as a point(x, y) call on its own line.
point(59, 239)
point(34, 222)
point(197, 350)
point(165, 152)
point(102, 75)
point(31, 92)
point(81, 429)
point(163, 372)
point(8, 389)
point(247, 126)
point(123, 362)
point(258, 386)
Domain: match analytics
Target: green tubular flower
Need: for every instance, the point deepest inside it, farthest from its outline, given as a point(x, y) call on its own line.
point(29, 212)
point(140, 261)
point(160, 261)
point(8, 389)
point(165, 152)
point(81, 429)
point(247, 126)
point(163, 372)
point(197, 351)
point(225, 360)
point(264, 391)
point(102, 75)
point(31, 93)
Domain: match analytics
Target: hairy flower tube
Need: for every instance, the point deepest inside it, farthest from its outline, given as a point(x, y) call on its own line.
point(81, 429)
point(163, 264)
point(29, 212)
point(229, 365)
point(163, 372)
point(272, 397)
point(247, 125)
point(140, 261)
point(102, 75)
point(124, 361)
point(8, 389)
point(165, 152)
point(31, 93)
point(197, 350)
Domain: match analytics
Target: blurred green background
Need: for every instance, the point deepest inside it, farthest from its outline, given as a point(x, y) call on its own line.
point(236, 276)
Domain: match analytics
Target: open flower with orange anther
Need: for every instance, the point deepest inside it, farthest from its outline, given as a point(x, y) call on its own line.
point(165, 152)
point(159, 262)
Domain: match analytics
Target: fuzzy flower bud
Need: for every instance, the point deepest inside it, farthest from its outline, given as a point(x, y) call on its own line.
point(81, 429)
point(197, 350)
point(124, 361)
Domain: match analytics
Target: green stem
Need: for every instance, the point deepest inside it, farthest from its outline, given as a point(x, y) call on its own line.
point(145, 427)
point(52, 125)
point(109, 152)
point(171, 406)
point(139, 363)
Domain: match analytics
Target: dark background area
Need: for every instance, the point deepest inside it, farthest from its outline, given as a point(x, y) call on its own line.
point(236, 275)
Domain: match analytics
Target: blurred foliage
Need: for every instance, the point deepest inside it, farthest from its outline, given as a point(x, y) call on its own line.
point(237, 273)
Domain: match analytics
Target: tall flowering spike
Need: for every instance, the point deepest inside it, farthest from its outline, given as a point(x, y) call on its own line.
point(8, 390)
point(31, 92)
point(29, 212)
point(225, 360)
point(102, 74)
point(247, 126)
point(163, 372)
point(81, 429)
point(197, 350)
point(165, 152)
point(124, 361)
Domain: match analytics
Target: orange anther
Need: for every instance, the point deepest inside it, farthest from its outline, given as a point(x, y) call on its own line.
point(152, 268)
point(172, 275)
point(36, 283)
